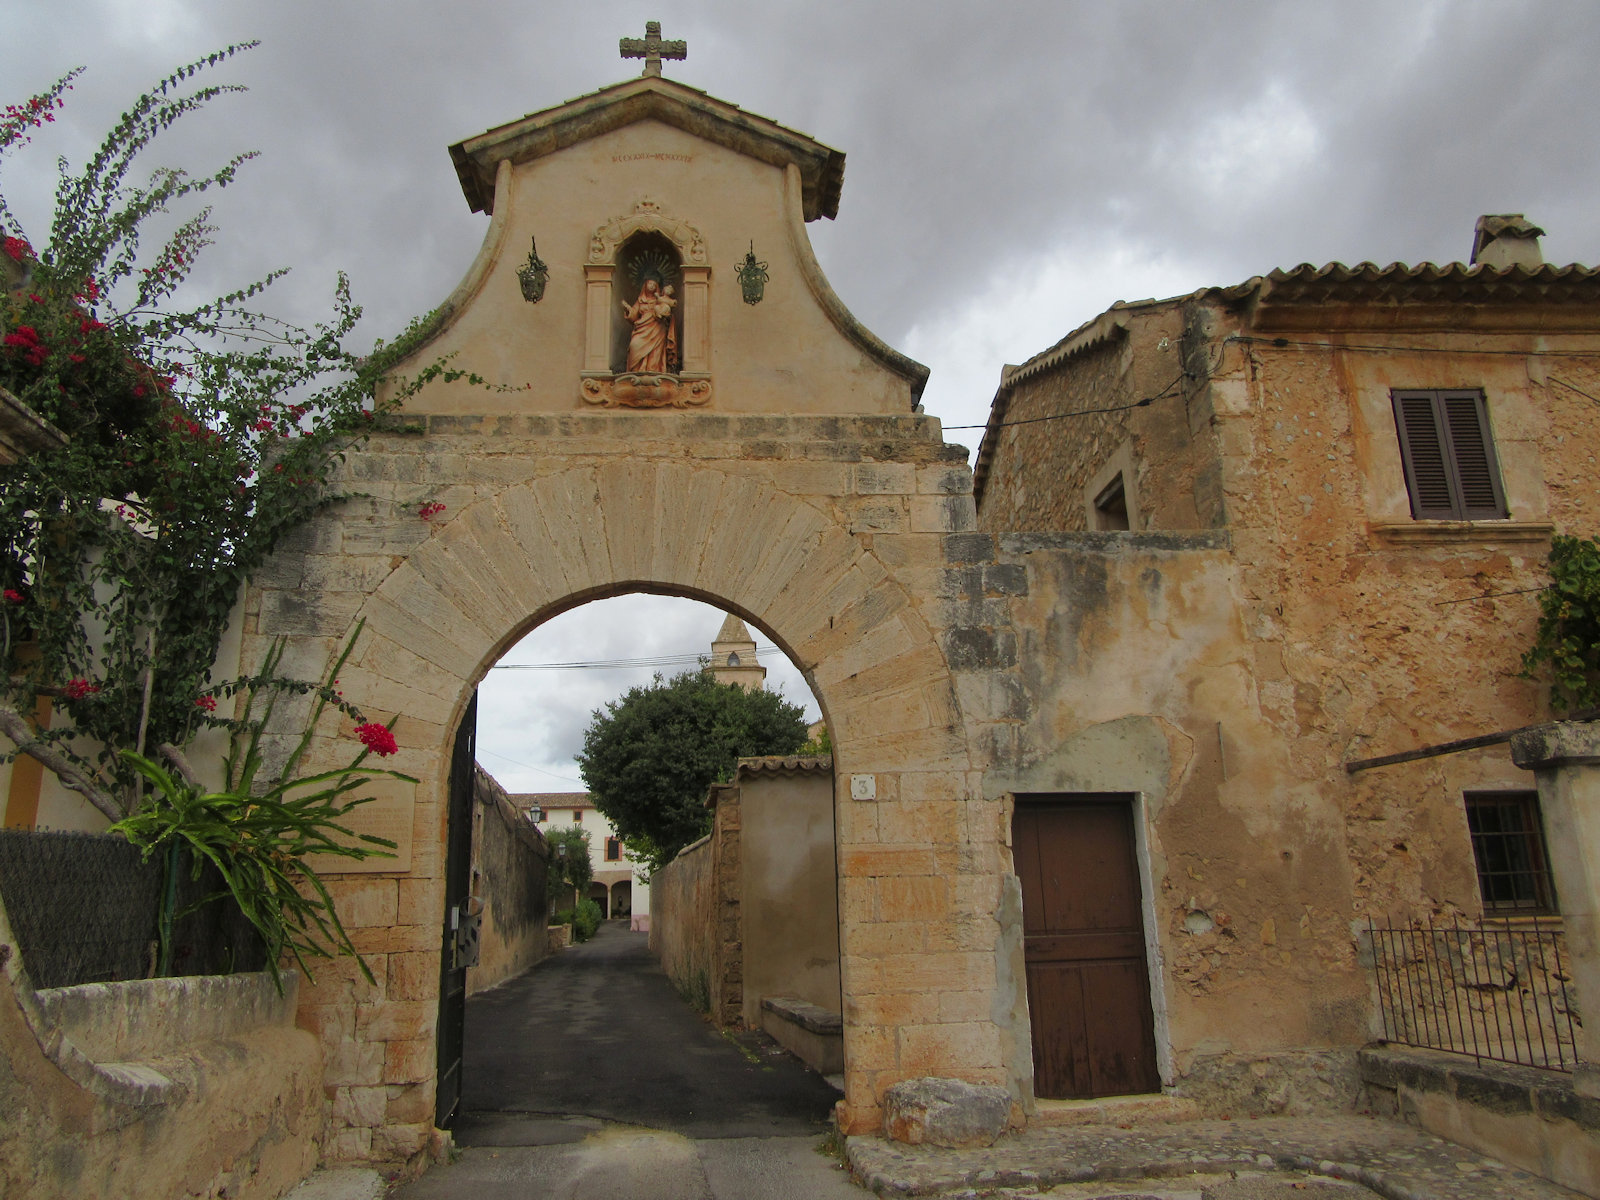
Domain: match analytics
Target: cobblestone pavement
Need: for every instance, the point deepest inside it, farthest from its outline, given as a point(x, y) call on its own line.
point(1301, 1157)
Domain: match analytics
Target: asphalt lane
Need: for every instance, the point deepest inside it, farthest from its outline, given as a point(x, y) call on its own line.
point(596, 1033)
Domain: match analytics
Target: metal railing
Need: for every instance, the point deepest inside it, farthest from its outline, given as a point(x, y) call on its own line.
point(1493, 991)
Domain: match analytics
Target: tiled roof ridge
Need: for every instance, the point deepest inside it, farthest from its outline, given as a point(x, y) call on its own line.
point(551, 799)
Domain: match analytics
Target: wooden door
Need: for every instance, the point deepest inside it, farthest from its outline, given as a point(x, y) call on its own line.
point(457, 883)
point(1083, 937)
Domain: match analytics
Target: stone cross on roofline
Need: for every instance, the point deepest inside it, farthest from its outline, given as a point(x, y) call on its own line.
point(652, 49)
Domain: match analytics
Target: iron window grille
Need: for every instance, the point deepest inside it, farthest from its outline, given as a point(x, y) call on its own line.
point(1448, 453)
point(613, 849)
point(1509, 851)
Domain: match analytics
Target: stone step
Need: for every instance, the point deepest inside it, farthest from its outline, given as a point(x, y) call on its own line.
point(1154, 1109)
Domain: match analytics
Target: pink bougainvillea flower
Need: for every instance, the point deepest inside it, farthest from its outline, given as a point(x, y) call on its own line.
point(377, 738)
point(209, 703)
point(78, 689)
point(13, 596)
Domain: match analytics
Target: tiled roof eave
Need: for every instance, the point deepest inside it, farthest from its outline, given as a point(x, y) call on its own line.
point(777, 764)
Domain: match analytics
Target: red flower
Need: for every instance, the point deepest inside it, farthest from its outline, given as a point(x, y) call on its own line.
point(377, 738)
point(17, 248)
point(430, 510)
point(25, 338)
point(78, 689)
point(209, 703)
point(13, 596)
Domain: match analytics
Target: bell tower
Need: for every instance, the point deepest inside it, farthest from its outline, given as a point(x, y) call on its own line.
point(733, 656)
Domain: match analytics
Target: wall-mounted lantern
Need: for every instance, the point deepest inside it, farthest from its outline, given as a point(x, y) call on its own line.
point(533, 274)
point(752, 277)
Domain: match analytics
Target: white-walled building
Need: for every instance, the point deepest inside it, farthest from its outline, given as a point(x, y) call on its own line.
point(618, 887)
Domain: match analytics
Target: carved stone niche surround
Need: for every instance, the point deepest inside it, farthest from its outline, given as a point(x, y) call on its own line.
point(692, 384)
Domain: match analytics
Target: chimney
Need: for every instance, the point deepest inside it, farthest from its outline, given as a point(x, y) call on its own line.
point(1507, 240)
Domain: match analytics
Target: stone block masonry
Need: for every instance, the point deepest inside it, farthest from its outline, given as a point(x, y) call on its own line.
point(785, 520)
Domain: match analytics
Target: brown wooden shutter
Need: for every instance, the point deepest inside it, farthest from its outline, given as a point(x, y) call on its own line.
point(1448, 455)
point(1472, 450)
point(1422, 451)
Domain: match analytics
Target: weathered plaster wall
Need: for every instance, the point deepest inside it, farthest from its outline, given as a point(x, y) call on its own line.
point(683, 925)
point(1377, 633)
point(199, 1086)
point(510, 863)
point(789, 890)
point(1338, 628)
point(1135, 674)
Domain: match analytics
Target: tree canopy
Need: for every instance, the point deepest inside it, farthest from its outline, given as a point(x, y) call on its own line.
point(649, 757)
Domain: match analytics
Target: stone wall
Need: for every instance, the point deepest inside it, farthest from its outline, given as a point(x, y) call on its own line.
point(149, 1089)
point(510, 864)
point(683, 922)
point(1042, 467)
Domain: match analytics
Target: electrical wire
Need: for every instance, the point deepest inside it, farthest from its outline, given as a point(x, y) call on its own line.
point(531, 767)
point(1084, 412)
point(623, 664)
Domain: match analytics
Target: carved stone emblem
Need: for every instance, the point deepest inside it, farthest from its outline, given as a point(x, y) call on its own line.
point(637, 390)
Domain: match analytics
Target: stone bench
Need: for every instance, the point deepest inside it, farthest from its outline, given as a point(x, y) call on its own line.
point(1524, 1116)
point(810, 1032)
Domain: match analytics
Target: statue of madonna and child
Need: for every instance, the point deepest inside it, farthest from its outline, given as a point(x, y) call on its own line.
point(653, 345)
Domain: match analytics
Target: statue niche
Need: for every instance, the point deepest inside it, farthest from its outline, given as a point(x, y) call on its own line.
point(648, 324)
point(647, 339)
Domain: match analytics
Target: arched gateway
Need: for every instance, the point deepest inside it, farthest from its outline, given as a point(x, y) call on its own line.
point(772, 461)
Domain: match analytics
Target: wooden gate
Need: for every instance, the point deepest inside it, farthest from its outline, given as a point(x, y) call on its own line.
point(1083, 937)
point(457, 883)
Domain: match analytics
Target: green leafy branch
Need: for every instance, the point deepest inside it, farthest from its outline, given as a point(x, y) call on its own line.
point(258, 835)
point(1567, 640)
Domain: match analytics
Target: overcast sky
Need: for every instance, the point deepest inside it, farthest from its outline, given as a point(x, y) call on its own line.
point(1014, 168)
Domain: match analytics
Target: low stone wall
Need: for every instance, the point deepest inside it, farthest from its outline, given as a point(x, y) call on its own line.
point(682, 903)
point(1524, 1116)
point(198, 1086)
point(510, 861)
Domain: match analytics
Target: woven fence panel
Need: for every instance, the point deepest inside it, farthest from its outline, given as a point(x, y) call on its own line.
point(83, 908)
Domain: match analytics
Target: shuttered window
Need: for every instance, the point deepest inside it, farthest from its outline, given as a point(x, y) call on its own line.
point(1448, 454)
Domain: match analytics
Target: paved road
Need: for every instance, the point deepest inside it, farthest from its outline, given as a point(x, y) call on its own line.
point(598, 1031)
point(589, 1078)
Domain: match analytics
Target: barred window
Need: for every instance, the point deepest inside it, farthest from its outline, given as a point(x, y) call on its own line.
point(1508, 848)
point(613, 849)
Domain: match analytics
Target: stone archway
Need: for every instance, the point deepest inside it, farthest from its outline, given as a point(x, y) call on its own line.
point(839, 562)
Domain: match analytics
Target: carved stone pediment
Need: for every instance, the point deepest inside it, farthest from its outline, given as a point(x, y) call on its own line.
point(646, 217)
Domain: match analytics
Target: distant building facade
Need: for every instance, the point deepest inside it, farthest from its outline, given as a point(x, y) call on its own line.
point(618, 886)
